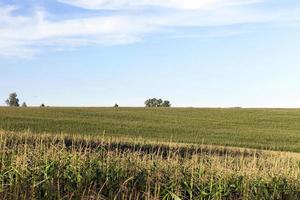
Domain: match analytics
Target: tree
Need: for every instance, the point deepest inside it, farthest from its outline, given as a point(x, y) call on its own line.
point(166, 104)
point(157, 103)
point(42, 105)
point(150, 102)
point(116, 105)
point(24, 104)
point(12, 100)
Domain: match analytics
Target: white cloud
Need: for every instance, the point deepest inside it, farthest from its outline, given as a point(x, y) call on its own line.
point(25, 36)
point(175, 4)
point(121, 4)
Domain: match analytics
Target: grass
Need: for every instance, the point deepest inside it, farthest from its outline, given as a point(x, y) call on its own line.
point(272, 129)
point(63, 166)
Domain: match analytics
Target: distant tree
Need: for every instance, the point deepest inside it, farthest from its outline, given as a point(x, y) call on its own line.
point(116, 105)
point(12, 100)
point(24, 104)
point(42, 105)
point(166, 104)
point(150, 102)
point(157, 103)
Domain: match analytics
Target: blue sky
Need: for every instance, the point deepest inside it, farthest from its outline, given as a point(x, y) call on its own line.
point(209, 53)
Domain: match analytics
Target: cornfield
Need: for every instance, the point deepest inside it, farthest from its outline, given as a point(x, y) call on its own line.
point(65, 166)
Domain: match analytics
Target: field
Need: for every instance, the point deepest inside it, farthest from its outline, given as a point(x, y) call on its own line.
point(149, 153)
point(48, 166)
point(272, 129)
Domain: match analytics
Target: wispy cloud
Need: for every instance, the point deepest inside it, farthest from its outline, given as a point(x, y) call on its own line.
point(175, 4)
point(25, 36)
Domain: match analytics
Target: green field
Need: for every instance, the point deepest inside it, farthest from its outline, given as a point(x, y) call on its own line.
point(274, 129)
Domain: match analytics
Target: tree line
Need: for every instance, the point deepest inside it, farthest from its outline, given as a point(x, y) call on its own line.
point(13, 101)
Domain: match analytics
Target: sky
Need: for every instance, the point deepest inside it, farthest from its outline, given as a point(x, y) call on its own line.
point(195, 53)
